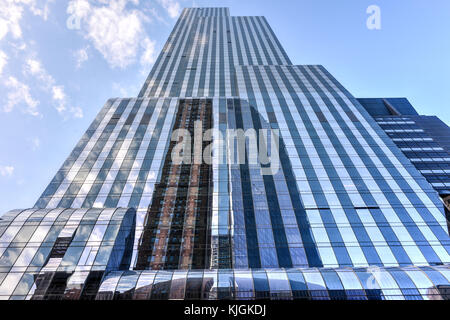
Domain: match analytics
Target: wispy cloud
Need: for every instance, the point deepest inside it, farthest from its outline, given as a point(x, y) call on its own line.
point(59, 96)
point(81, 56)
point(115, 30)
point(10, 16)
point(35, 68)
point(58, 93)
point(79, 8)
point(148, 56)
point(172, 7)
point(42, 10)
point(11, 13)
point(35, 143)
point(3, 60)
point(125, 89)
point(19, 94)
point(155, 14)
point(6, 171)
point(76, 112)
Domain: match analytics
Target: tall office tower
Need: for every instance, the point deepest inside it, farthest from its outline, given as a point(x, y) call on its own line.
point(425, 140)
point(332, 210)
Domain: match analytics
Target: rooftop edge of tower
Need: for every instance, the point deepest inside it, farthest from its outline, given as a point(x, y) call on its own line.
point(207, 11)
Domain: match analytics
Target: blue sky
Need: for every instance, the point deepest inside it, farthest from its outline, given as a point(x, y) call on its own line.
point(61, 60)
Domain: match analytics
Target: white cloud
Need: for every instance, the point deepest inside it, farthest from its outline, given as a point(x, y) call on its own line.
point(42, 11)
point(11, 13)
point(18, 45)
point(36, 143)
point(77, 112)
point(81, 56)
point(34, 68)
point(148, 56)
point(6, 171)
point(58, 93)
point(59, 96)
point(125, 89)
point(172, 7)
point(19, 94)
point(78, 8)
point(155, 14)
point(10, 16)
point(115, 30)
point(115, 33)
point(3, 60)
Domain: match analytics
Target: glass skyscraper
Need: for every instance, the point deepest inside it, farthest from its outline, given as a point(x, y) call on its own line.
point(344, 215)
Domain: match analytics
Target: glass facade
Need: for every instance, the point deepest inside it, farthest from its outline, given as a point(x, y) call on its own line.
point(50, 252)
point(408, 283)
point(346, 215)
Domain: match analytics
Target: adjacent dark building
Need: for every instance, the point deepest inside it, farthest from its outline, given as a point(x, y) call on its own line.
point(425, 140)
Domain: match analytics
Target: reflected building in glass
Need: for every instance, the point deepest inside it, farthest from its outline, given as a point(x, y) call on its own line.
point(346, 215)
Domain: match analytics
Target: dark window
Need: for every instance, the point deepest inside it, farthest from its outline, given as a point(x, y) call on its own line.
point(321, 116)
point(352, 116)
point(60, 247)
